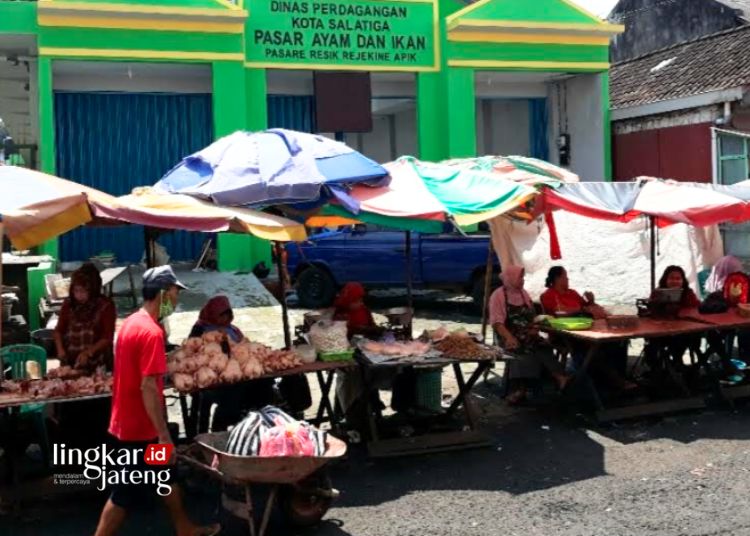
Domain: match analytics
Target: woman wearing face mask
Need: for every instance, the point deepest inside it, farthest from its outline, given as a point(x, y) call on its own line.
point(83, 338)
point(86, 328)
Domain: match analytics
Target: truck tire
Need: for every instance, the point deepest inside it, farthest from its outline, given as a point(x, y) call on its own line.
point(316, 288)
point(477, 290)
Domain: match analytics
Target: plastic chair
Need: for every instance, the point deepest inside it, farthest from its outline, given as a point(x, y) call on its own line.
point(16, 356)
point(702, 278)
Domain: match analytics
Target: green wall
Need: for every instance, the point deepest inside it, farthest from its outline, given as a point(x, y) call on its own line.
point(446, 111)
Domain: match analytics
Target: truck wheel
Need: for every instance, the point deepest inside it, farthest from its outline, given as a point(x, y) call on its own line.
point(315, 288)
point(477, 290)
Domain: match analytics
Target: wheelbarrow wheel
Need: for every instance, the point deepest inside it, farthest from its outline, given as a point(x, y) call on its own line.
point(305, 503)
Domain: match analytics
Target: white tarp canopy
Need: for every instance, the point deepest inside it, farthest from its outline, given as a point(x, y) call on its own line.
point(611, 259)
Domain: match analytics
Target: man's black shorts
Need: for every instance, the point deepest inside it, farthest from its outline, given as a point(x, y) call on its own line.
point(130, 496)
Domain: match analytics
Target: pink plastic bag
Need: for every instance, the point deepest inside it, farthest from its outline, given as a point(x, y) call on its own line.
point(286, 440)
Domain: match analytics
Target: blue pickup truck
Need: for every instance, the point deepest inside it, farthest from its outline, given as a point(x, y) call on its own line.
point(375, 257)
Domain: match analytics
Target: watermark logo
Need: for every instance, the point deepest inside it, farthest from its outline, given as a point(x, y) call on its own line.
point(158, 454)
point(108, 466)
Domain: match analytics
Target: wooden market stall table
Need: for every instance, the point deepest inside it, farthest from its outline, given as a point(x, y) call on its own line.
point(11, 403)
point(648, 328)
point(324, 372)
point(468, 436)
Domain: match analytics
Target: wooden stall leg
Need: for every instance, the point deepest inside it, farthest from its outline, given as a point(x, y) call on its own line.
point(250, 511)
point(464, 388)
point(586, 378)
point(269, 508)
point(325, 408)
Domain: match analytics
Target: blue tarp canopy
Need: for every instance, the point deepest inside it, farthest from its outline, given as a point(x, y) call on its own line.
point(273, 167)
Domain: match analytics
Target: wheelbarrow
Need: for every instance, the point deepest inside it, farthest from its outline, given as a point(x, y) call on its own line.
point(302, 482)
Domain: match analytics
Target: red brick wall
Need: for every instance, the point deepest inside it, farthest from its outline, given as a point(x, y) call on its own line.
point(681, 153)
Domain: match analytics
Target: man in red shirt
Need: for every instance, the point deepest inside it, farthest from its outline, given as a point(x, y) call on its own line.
point(138, 412)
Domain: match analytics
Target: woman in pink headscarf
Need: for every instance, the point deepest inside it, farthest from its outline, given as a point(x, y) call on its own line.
point(725, 267)
point(512, 317)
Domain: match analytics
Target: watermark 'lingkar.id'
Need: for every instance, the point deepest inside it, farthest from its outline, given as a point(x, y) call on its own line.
point(108, 466)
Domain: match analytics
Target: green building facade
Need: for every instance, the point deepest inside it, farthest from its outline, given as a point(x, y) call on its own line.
point(451, 79)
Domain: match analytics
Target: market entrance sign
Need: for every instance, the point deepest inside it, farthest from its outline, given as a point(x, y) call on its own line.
point(371, 35)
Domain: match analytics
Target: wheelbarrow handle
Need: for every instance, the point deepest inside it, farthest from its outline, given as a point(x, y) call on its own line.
point(200, 465)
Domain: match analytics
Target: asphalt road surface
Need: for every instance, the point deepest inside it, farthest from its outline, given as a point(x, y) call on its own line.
point(546, 473)
point(543, 475)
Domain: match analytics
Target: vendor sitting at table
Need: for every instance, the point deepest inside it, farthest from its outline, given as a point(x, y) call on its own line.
point(86, 328)
point(559, 299)
point(350, 307)
point(673, 278)
point(512, 317)
point(232, 401)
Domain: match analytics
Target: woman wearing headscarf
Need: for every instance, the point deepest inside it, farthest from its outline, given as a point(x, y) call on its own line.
point(727, 269)
point(512, 316)
point(84, 338)
point(350, 307)
point(85, 330)
point(232, 401)
point(217, 315)
point(723, 268)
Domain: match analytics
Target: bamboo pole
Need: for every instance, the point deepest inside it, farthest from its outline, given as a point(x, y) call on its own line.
point(487, 287)
point(278, 250)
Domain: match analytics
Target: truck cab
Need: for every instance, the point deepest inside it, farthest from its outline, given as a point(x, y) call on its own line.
point(376, 257)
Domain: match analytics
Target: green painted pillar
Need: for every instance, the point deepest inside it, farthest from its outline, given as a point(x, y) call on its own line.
point(228, 97)
point(446, 114)
point(47, 135)
point(235, 110)
point(446, 107)
point(606, 127)
point(462, 113)
point(432, 122)
point(256, 99)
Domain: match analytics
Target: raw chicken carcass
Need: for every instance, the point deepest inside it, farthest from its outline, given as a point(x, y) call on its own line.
point(241, 353)
point(252, 369)
point(189, 365)
point(193, 345)
point(213, 337)
point(183, 382)
point(202, 359)
point(174, 365)
point(205, 377)
point(232, 373)
point(212, 349)
point(218, 363)
point(374, 347)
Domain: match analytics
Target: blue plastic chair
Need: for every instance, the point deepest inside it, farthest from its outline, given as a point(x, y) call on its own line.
point(16, 356)
point(702, 278)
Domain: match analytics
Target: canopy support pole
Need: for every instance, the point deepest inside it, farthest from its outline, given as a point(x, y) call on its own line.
point(652, 228)
point(409, 282)
point(278, 251)
point(487, 288)
point(150, 250)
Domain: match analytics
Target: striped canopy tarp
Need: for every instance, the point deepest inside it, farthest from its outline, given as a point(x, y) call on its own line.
point(667, 202)
point(422, 196)
point(37, 207)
